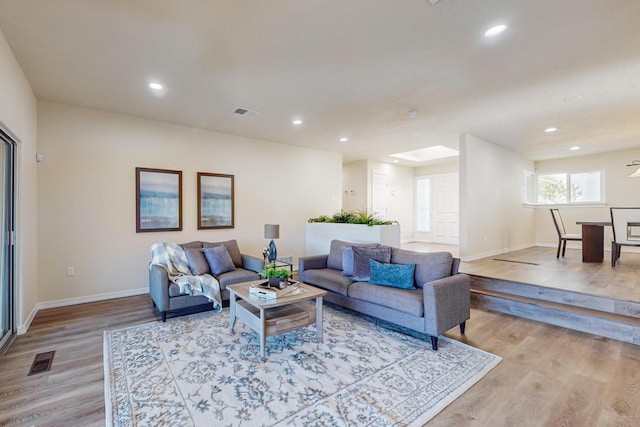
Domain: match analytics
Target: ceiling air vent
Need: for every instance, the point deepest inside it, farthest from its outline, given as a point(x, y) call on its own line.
point(245, 112)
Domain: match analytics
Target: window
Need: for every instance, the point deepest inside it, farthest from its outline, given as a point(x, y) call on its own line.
point(557, 188)
point(423, 198)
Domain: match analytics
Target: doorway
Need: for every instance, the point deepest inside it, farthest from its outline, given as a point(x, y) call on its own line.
point(437, 209)
point(7, 240)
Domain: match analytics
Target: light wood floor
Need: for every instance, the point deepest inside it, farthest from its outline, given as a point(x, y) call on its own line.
point(549, 376)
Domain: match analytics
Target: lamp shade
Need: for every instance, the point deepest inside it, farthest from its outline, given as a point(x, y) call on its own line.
point(271, 231)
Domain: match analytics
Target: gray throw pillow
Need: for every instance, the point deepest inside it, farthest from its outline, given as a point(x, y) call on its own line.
point(232, 248)
point(219, 260)
point(197, 262)
point(361, 257)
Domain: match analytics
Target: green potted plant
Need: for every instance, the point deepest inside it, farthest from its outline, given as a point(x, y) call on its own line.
point(275, 275)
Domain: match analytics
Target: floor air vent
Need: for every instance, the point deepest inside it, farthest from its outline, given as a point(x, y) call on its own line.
point(41, 363)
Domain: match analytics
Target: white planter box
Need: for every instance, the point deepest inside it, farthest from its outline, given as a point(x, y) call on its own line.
point(320, 235)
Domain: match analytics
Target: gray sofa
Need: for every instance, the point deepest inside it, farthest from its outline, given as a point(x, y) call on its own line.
point(439, 301)
point(166, 295)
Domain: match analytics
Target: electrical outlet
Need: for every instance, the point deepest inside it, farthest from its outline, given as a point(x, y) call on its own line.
point(70, 271)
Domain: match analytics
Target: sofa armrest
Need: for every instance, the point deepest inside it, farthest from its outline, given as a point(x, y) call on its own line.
point(311, 262)
point(159, 287)
point(447, 303)
point(252, 263)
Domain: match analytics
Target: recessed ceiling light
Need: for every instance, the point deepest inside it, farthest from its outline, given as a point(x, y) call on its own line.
point(574, 148)
point(551, 129)
point(395, 160)
point(297, 122)
point(344, 139)
point(156, 86)
point(494, 31)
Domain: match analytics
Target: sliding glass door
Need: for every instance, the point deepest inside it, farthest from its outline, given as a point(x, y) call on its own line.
point(7, 240)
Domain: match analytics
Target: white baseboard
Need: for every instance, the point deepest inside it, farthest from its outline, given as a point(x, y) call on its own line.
point(78, 300)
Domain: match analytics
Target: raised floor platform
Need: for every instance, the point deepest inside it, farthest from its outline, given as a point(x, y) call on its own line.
point(590, 297)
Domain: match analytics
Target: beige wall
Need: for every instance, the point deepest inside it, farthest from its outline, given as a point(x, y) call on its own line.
point(18, 117)
point(86, 210)
point(620, 190)
point(492, 217)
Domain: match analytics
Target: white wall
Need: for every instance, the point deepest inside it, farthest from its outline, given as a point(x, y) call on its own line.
point(18, 116)
point(86, 209)
point(354, 185)
point(400, 195)
point(451, 166)
point(492, 217)
point(620, 190)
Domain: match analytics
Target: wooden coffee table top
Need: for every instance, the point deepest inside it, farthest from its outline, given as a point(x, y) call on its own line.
point(242, 290)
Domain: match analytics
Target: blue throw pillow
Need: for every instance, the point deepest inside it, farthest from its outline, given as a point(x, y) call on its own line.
point(347, 261)
point(219, 259)
point(395, 275)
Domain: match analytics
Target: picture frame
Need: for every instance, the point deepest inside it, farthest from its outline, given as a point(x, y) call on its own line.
point(158, 200)
point(215, 201)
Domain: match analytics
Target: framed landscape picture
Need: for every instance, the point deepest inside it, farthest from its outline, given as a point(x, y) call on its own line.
point(215, 201)
point(158, 200)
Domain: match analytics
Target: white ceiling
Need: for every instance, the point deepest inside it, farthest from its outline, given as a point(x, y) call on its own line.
point(351, 68)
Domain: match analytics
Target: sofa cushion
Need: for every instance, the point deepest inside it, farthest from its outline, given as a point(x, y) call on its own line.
point(335, 252)
point(195, 244)
point(232, 248)
point(327, 278)
point(219, 260)
point(405, 300)
point(236, 276)
point(347, 261)
point(394, 275)
point(429, 265)
point(361, 257)
point(197, 261)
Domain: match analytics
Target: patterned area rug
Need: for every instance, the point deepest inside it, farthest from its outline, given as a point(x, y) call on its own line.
point(191, 371)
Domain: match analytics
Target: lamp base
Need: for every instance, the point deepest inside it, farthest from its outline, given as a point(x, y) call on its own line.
point(273, 252)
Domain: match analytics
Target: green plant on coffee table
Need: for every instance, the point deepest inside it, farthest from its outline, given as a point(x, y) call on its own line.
point(271, 272)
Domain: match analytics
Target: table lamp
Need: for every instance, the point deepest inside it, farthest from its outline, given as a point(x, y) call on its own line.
point(272, 231)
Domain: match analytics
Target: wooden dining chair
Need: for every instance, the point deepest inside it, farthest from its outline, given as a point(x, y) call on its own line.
point(623, 232)
point(563, 237)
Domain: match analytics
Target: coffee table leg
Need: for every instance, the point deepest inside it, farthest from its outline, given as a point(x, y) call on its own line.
point(262, 333)
point(232, 311)
point(319, 317)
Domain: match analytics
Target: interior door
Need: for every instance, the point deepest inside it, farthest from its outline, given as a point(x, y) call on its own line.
point(445, 211)
point(7, 243)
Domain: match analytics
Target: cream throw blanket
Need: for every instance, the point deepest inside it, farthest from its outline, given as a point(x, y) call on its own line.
point(173, 258)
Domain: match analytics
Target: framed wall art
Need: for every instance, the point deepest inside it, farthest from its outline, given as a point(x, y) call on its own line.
point(158, 200)
point(215, 201)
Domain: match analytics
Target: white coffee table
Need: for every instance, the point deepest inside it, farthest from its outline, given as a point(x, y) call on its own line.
point(270, 317)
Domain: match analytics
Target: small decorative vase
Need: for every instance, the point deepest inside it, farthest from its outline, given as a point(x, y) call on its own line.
point(284, 283)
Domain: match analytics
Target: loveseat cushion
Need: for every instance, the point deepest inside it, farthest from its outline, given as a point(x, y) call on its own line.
point(197, 261)
point(327, 278)
point(405, 300)
point(429, 265)
point(195, 244)
point(232, 248)
point(236, 276)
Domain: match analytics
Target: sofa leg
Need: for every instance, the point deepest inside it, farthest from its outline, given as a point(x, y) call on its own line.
point(434, 342)
point(462, 326)
point(164, 316)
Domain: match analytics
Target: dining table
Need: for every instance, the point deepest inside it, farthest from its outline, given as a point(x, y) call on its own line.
point(593, 240)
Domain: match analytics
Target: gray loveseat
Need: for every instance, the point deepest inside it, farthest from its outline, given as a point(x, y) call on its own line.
point(166, 295)
point(439, 301)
